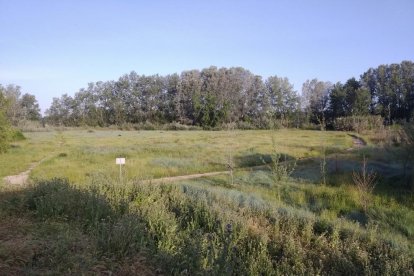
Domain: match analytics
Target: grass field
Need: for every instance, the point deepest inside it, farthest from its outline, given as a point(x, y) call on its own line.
point(154, 154)
point(256, 224)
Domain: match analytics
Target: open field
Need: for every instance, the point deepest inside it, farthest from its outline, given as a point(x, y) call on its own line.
point(155, 154)
point(255, 223)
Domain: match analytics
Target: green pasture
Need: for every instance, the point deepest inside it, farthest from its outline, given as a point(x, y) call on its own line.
point(251, 224)
point(153, 154)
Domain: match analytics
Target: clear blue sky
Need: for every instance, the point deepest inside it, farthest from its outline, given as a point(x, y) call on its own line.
point(57, 46)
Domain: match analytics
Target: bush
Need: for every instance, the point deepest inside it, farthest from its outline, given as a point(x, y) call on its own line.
point(146, 126)
point(17, 135)
point(6, 133)
point(32, 126)
point(57, 199)
point(358, 123)
point(175, 126)
point(245, 125)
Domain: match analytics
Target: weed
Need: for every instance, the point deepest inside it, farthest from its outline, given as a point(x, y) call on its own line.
point(365, 182)
point(280, 167)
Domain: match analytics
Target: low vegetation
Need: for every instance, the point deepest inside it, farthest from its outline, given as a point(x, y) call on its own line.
point(271, 217)
point(77, 154)
point(206, 229)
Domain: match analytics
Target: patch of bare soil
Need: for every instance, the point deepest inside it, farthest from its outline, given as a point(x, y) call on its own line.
point(21, 178)
point(357, 142)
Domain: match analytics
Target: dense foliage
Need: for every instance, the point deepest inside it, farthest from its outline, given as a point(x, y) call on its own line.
point(391, 88)
point(19, 107)
point(215, 96)
point(207, 98)
point(13, 110)
point(4, 124)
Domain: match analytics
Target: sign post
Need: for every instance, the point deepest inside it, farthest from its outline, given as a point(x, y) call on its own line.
point(120, 162)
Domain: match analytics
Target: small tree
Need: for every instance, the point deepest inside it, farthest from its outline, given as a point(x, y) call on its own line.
point(365, 181)
point(280, 167)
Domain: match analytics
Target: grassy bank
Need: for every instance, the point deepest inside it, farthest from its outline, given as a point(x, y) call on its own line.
point(202, 228)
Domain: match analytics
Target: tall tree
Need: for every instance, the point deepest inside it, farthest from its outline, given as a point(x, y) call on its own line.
point(392, 90)
point(257, 103)
point(337, 102)
point(209, 110)
point(315, 96)
point(29, 107)
point(188, 98)
point(13, 110)
point(168, 96)
point(62, 112)
point(283, 100)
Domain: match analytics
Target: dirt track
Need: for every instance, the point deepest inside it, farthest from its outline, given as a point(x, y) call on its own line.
point(184, 177)
point(21, 178)
point(357, 143)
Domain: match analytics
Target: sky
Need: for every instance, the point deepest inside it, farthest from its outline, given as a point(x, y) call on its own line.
point(54, 47)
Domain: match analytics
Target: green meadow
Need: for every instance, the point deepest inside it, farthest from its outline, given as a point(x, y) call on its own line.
point(273, 215)
point(153, 154)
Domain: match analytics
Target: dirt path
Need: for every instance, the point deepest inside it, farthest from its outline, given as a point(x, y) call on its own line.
point(357, 142)
point(21, 178)
point(184, 177)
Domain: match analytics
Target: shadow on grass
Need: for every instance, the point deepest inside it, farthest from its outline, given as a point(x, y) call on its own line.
point(182, 229)
point(391, 183)
point(69, 230)
point(358, 141)
point(258, 159)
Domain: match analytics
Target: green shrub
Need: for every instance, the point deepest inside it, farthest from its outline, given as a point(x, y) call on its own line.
point(5, 133)
point(358, 123)
point(17, 135)
point(57, 199)
point(175, 126)
point(32, 126)
point(245, 125)
point(121, 238)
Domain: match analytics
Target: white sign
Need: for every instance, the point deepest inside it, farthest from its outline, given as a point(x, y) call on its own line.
point(120, 161)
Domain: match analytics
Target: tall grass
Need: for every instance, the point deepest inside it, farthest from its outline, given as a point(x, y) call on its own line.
point(196, 230)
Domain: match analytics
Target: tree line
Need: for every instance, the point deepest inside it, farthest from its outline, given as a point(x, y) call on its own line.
point(213, 96)
point(207, 98)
